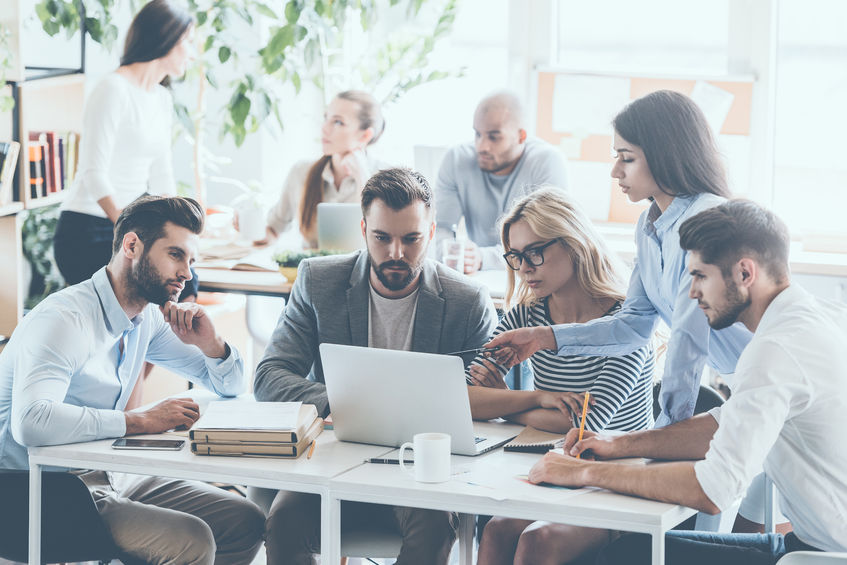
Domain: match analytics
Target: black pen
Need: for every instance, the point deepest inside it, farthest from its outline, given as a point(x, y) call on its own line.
point(477, 350)
point(384, 461)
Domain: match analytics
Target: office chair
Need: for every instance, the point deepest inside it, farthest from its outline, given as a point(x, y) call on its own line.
point(813, 558)
point(71, 528)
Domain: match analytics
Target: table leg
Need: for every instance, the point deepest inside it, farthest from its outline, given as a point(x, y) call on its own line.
point(658, 548)
point(35, 514)
point(330, 528)
point(466, 528)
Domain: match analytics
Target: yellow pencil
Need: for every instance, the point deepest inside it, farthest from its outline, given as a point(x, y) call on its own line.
point(311, 449)
point(582, 421)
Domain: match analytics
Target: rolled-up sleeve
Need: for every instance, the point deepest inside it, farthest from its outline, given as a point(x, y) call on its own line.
point(749, 427)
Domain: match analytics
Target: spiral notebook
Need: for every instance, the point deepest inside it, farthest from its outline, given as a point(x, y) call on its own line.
point(531, 440)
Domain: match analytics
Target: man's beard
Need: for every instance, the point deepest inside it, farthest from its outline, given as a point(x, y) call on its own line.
point(146, 282)
point(396, 280)
point(735, 305)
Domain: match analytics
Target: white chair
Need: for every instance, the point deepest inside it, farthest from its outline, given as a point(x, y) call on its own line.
point(813, 558)
point(262, 313)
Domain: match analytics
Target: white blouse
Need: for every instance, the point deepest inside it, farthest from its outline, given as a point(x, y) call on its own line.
point(125, 146)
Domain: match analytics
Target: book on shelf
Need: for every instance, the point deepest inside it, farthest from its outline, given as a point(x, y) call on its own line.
point(71, 148)
point(36, 170)
point(47, 166)
point(531, 440)
point(262, 448)
point(262, 422)
point(9, 151)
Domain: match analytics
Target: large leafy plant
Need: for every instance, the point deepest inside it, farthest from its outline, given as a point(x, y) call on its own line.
point(307, 40)
point(6, 101)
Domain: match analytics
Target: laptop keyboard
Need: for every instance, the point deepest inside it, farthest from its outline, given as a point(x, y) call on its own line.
point(478, 439)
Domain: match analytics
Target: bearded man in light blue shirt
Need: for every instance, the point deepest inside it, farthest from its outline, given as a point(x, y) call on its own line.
point(72, 363)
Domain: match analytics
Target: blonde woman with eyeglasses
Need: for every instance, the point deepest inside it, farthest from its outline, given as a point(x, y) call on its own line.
point(561, 271)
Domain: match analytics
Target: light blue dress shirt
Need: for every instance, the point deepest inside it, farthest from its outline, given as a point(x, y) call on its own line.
point(659, 289)
point(64, 377)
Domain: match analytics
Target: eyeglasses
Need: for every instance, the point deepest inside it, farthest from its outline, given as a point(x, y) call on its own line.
point(534, 256)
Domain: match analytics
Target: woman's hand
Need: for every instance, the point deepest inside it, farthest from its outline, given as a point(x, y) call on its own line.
point(519, 345)
point(486, 374)
point(355, 164)
point(566, 402)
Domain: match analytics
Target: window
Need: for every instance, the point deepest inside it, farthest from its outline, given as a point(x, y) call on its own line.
point(810, 170)
point(665, 36)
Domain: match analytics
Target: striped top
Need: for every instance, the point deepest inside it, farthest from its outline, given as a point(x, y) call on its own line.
point(622, 387)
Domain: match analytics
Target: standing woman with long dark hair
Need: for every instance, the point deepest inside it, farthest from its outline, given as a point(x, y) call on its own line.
point(125, 147)
point(666, 154)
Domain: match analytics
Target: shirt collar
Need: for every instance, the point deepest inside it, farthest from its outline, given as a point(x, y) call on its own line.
point(113, 313)
point(659, 222)
point(790, 295)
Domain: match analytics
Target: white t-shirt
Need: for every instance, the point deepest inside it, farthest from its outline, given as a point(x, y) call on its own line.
point(125, 146)
point(391, 321)
point(787, 412)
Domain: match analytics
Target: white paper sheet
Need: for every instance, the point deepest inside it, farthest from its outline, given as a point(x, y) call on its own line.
point(715, 103)
point(249, 416)
point(585, 104)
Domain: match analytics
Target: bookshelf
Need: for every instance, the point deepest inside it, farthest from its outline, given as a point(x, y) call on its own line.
point(46, 99)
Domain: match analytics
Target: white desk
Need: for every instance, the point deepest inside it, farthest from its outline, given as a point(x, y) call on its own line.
point(487, 485)
point(331, 458)
point(480, 485)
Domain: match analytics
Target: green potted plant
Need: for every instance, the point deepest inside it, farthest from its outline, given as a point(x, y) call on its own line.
point(288, 261)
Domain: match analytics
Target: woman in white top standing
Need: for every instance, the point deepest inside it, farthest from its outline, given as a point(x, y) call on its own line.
point(125, 147)
point(352, 122)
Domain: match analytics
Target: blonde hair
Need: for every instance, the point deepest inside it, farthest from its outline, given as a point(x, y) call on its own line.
point(551, 214)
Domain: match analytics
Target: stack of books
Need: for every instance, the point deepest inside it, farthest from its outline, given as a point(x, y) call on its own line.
point(256, 429)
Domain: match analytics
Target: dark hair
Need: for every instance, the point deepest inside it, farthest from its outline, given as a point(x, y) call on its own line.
point(677, 143)
point(369, 116)
point(148, 215)
point(154, 31)
point(398, 188)
point(724, 234)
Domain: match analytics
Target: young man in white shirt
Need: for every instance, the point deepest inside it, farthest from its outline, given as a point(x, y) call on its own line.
point(72, 363)
point(786, 412)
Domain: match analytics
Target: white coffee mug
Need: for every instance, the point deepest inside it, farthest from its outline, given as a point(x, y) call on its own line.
point(432, 457)
point(251, 222)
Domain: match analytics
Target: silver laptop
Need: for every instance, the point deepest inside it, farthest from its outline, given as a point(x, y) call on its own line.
point(384, 397)
point(340, 226)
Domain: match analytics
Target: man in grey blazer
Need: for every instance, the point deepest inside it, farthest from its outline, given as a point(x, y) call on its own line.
point(390, 296)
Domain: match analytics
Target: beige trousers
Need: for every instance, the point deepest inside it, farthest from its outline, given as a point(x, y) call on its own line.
point(165, 521)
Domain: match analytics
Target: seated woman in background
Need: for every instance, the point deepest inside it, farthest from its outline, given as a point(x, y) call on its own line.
point(352, 122)
point(567, 274)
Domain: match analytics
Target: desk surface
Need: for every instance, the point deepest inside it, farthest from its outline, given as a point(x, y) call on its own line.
point(271, 283)
point(489, 484)
point(331, 457)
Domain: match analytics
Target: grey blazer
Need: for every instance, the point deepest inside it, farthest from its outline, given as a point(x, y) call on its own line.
point(330, 303)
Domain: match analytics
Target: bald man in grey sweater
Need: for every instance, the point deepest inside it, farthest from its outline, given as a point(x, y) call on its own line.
point(480, 180)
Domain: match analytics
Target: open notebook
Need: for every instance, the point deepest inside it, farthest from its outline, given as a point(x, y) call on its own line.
point(531, 440)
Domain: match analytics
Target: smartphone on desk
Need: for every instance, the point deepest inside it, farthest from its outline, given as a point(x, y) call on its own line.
point(149, 444)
